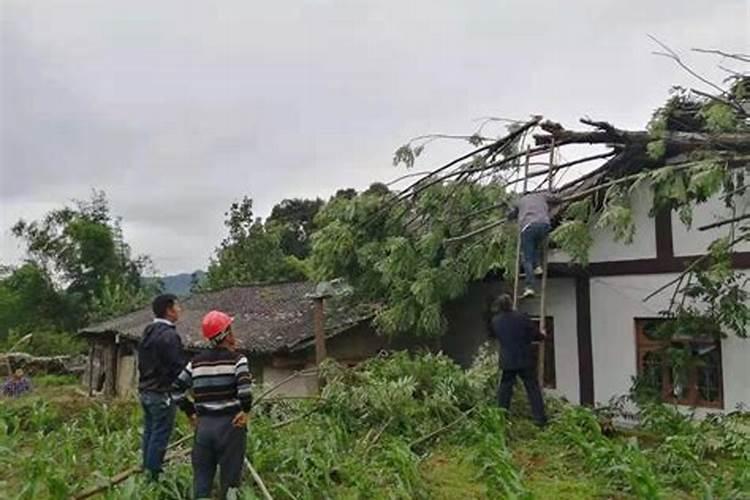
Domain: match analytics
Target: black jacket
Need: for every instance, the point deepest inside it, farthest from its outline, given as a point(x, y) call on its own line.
point(516, 332)
point(160, 357)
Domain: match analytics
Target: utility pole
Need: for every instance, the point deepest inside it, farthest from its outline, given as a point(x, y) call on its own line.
point(323, 291)
point(320, 329)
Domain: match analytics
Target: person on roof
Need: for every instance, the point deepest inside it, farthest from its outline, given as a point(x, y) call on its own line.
point(160, 360)
point(220, 382)
point(533, 213)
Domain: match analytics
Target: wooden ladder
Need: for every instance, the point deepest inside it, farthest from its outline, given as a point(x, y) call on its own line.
point(545, 251)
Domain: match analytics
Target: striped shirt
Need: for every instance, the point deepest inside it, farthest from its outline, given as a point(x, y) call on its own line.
point(219, 380)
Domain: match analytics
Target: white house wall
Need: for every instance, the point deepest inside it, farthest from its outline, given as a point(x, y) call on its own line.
point(616, 302)
point(690, 241)
point(687, 241)
point(561, 306)
point(643, 246)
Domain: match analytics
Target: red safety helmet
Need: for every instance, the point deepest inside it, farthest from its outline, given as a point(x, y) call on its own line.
point(214, 323)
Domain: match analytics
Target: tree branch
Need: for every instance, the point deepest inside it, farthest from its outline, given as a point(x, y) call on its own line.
point(676, 142)
point(476, 231)
point(724, 222)
point(500, 143)
point(689, 269)
point(671, 54)
point(442, 429)
point(739, 57)
point(735, 106)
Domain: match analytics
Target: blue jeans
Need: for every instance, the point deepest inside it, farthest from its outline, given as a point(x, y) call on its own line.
point(532, 239)
point(158, 422)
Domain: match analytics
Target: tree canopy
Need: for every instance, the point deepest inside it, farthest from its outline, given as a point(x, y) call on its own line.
point(78, 269)
point(254, 252)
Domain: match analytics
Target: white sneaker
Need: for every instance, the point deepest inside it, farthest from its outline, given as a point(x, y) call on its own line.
point(538, 271)
point(527, 293)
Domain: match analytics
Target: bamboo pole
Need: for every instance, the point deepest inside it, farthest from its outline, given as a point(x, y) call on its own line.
point(120, 477)
point(258, 480)
point(291, 377)
point(516, 279)
point(320, 333)
point(545, 251)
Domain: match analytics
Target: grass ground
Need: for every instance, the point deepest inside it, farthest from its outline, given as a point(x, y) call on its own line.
point(57, 441)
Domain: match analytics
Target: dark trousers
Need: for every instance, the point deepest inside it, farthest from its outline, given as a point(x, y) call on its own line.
point(158, 422)
point(532, 239)
point(217, 444)
point(534, 393)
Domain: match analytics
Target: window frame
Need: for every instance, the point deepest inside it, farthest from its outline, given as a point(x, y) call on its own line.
point(645, 345)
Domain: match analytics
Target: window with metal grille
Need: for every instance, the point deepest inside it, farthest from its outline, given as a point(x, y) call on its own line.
point(695, 381)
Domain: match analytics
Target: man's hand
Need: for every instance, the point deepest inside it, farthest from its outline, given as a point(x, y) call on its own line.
point(240, 420)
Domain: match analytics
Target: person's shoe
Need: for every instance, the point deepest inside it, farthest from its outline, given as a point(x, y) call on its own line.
point(528, 293)
point(538, 271)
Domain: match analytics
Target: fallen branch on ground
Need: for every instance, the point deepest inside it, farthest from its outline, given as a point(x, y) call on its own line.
point(377, 436)
point(122, 476)
point(298, 373)
point(258, 480)
point(442, 429)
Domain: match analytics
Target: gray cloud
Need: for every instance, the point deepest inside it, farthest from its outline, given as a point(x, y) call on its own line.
point(176, 108)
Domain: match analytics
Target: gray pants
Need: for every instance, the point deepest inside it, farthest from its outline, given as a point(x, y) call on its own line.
point(217, 444)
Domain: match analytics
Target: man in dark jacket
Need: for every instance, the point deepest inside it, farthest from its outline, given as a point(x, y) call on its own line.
point(160, 360)
point(515, 332)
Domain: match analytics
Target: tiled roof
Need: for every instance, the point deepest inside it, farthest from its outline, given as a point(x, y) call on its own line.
point(267, 318)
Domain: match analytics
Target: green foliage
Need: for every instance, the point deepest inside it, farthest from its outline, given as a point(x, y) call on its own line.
point(45, 342)
point(252, 252)
point(657, 128)
point(706, 181)
point(715, 300)
point(617, 214)
point(400, 258)
point(79, 269)
point(624, 463)
point(375, 434)
point(719, 117)
point(407, 155)
point(574, 238)
point(295, 218)
point(656, 149)
point(29, 300)
point(115, 299)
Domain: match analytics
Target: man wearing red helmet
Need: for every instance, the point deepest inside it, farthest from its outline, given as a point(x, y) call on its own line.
point(219, 380)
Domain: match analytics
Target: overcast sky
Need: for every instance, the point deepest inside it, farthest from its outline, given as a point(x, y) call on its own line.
point(177, 108)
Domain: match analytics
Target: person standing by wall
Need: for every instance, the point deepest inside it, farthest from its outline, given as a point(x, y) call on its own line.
point(515, 332)
point(160, 360)
point(220, 382)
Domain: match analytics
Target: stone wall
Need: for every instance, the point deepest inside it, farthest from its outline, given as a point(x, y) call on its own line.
point(41, 365)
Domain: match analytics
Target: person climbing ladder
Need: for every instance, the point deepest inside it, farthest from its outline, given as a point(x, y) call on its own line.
point(533, 213)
